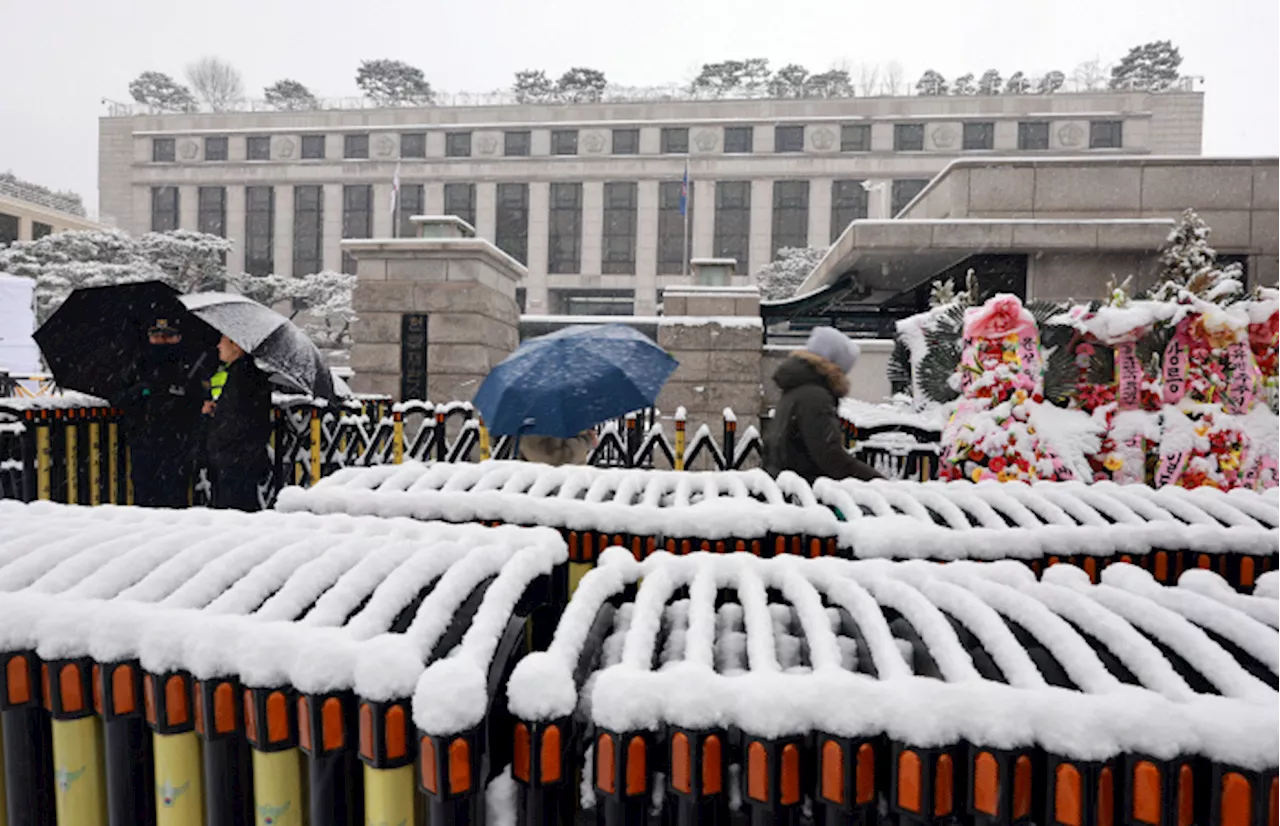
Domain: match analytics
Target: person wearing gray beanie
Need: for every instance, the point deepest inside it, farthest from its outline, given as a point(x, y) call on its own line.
point(805, 435)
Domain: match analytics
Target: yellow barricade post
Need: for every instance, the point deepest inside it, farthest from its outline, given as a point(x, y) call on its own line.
point(95, 463)
point(679, 447)
point(71, 461)
point(388, 795)
point(277, 787)
point(315, 445)
point(80, 788)
point(397, 437)
point(179, 780)
point(484, 442)
point(44, 463)
point(113, 463)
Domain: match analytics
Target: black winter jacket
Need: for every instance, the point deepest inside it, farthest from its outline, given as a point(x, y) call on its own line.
point(804, 436)
point(241, 424)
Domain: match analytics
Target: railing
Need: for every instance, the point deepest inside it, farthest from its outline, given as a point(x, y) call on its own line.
point(620, 94)
point(32, 194)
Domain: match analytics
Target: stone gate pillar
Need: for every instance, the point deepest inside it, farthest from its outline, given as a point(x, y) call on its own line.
point(434, 313)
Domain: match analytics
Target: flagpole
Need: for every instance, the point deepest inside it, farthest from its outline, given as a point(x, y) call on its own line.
point(395, 203)
point(684, 261)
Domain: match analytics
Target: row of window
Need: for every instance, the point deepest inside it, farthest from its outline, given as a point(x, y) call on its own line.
point(732, 236)
point(9, 225)
point(907, 137)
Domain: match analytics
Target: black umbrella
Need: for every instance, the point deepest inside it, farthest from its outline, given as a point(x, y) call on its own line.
point(94, 342)
point(277, 346)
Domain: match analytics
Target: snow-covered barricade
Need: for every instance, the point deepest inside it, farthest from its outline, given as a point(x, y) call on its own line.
point(288, 631)
point(900, 692)
point(642, 510)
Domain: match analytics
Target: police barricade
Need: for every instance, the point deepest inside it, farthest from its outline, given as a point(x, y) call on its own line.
point(712, 689)
point(593, 508)
point(1164, 530)
point(62, 448)
point(197, 667)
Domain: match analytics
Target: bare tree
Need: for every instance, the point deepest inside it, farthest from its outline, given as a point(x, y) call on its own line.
point(1090, 75)
point(216, 82)
point(868, 78)
point(893, 83)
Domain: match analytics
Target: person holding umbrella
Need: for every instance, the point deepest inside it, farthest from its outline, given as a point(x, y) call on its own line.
point(161, 416)
point(238, 431)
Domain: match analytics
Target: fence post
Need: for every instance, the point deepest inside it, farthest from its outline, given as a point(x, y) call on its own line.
point(179, 786)
point(397, 436)
point(127, 745)
point(29, 796)
point(730, 437)
point(95, 460)
point(113, 461)
point(680, 436)
point(271, 726)
point(71, 458)
point(80, 786)
point(484, 441)
point(29, 461)
point(442, 437)
point(387, 749)
point(316, 470)
point(44, 461)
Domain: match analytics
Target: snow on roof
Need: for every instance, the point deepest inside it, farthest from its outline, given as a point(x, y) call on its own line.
point(798, 649)
point(314, 601)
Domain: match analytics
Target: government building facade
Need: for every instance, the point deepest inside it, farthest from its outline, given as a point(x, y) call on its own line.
point(588, 196)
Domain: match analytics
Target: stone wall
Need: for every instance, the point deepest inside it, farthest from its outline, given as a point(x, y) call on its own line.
point(868, 381)
point(717, 336)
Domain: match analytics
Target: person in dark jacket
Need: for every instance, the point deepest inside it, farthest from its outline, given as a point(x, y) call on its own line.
point(238, 431)
point(161, 419)
point(805, 435)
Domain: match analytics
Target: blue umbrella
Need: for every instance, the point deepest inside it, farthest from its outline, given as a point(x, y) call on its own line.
point(565, 382)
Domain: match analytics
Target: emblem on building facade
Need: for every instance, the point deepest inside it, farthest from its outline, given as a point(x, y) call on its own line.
point(1071, 134)
point(823, 139)
point(706, 140)
point(188, 150)
point(488, 144)
point(384, 146)
point(944, 136)
point(285, 147)
point(593, 142)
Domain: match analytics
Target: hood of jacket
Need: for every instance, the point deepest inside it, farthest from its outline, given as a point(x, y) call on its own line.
point(805, 368)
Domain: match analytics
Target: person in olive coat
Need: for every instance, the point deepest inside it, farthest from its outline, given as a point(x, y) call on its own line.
point(805, 435)
point(239, 431)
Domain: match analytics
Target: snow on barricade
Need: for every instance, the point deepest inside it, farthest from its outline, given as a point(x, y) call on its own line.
point(1078, 681)
point(282, 607)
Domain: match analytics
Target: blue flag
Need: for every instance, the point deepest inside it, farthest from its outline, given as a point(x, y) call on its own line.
point(684, 190)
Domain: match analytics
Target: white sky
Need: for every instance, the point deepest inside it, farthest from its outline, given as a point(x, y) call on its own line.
point(61, 57)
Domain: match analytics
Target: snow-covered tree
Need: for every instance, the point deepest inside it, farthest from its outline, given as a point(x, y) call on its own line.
point(1051, 82)
point(964, 85)
point(720, 78)
point(159, 91)
point(1089, 76)
point(190, 261)
point(393, 83)
point(789, 82)
point(1189, 263)
point(581, 85)
point(931, 84)
point(216, 82)
point(1152, 66)
point(1017, 84)
point(533, 86)
point(834, 83)
point(320, 304)
point(989, 83)
point(781, 278)
point(290, 96)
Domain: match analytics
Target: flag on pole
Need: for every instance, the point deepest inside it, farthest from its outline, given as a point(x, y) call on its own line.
point(684, 189)
point(395, 202)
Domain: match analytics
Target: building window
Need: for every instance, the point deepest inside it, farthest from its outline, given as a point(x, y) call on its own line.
point(308, 229)
point(355, 146)
point(675, 141)
point(162, 150)
point(671, 227)
point(408, 205)
point(164, 208)
point(460, 200)
point(512, 231)
point(739, 139)
point(564, 247)
point(413, 145)
point(593, 302)
point(626, 141)
point(848, 204)
point(313, 147)
point(211, 216)
point(1106, 134)
point(215, 149)
point(904, 191)
point(260, 232)
point(39, 230)
point(619, 248)
point(258, 148)
point(979, 136)
point(790, 214)
point(457, 145)
point(908, 137)
point(733, 221)
point(515, 144)
point(8, 229)
point(788, 139)
point(1033, 134)
point(564, 142)
point(855, 137)
point(357, 218)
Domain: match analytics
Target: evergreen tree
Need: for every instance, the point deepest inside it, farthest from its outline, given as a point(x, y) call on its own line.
point(1189, 263)
point(1151, 66)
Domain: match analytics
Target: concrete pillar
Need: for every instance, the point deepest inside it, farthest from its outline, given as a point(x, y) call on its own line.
point(382, 211)
point(538, 301)
point(761, 228)
point(282, 231)
point(880, 198)
point(715, 333)
point(592, 227)
point(332, 225)
point(141, 209)
point(703, 226)
point(235, 225)
point(820, 212)
point(24, 228)
point(646, 248)
point(465, 289)
point(486, 209)
point(188, 207)
point(433, 198)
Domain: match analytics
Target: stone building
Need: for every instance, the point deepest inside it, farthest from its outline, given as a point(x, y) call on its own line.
point(587, 196)
point(29, 212)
